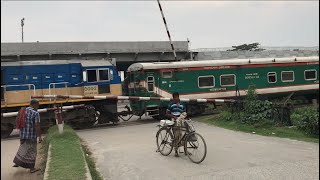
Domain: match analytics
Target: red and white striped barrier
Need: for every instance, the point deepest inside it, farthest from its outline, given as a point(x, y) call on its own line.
point(133, 98)
point(168, 33)
point(12, 114)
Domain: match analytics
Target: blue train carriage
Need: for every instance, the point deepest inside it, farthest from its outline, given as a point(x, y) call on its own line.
point(272, 77)
point(21, 79)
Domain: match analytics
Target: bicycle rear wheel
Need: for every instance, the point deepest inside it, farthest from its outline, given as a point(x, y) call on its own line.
point(195, 147)
point(164, 141)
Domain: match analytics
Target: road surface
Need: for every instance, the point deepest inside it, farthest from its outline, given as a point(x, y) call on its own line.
point(129, 153)
point(9, 148)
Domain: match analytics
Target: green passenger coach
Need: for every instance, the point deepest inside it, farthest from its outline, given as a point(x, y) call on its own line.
point(220, 79)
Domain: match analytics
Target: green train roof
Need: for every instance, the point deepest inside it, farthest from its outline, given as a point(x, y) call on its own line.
point(222, 62)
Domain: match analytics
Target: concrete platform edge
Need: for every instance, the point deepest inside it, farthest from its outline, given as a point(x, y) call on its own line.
point(88, 174)
point(45, 177)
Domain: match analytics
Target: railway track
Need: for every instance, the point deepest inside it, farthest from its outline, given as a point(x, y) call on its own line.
point(121, 124)
point(147, 120)
point(136, 121)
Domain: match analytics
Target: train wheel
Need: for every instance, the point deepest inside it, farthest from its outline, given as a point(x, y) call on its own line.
point(97, 115)
point(6, 130)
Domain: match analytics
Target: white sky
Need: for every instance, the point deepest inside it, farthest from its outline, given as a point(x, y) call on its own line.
point(207, 24)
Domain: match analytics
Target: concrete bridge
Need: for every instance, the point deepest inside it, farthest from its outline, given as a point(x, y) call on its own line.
point(125, 53)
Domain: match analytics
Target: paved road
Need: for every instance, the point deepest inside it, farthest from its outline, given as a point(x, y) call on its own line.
point(9, 148)
point(128, 153)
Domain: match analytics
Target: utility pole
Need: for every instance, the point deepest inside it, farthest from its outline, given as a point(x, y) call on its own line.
point(22, 24)
point(189, 47)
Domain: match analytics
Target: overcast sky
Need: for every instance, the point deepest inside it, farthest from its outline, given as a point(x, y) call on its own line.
point(208, 24)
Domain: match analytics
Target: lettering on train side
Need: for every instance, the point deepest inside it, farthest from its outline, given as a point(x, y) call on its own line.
point(218, 89)
point(252, 76)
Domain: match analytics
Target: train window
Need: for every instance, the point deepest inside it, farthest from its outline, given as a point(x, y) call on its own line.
point(92, 75)
point(287, 76)
point(228, 80)
point(167, 74)
point(272, 77)
point(310, 74)
point(150, 81)
point(103, 75)
point(205, 81)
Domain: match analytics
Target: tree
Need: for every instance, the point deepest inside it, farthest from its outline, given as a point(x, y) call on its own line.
point(247, 47)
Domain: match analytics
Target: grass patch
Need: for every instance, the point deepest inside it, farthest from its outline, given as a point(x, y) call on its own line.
point(91, 163)
point(67, 161)
point(282, 132)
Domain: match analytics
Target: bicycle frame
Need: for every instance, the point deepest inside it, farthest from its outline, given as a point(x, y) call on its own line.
point(190, 139)
point(181, 128)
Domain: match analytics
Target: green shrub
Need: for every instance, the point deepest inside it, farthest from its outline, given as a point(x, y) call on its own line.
point(229, 116)
point(306, 119)
point(256, 111)
point(226, 116)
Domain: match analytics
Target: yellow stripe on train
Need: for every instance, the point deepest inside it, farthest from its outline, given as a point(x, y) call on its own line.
point(22, 97)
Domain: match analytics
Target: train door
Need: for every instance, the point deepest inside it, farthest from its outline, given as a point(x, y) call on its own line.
point(164, 82)
point(130, 82)
point(139, 81)
point(136, 83)
point(75, 79)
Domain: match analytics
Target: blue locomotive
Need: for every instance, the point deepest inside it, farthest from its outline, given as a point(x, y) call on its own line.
point(21, 79)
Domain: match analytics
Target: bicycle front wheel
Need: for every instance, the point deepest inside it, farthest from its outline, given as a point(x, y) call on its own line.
point(164, 141)
point(195, 147)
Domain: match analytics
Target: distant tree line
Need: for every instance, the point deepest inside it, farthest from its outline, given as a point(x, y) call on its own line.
point(247, 47)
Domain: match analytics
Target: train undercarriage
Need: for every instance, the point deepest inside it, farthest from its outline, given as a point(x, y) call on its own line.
point(106, 111)
point(92, 113)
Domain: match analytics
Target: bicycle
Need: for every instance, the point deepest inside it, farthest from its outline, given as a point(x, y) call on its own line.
point(190, 140)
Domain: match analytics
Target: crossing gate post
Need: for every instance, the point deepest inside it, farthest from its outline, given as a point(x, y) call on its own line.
point(59, 120)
